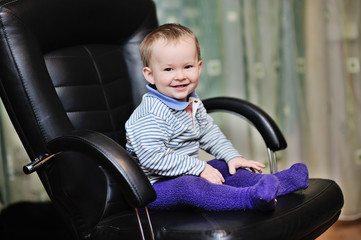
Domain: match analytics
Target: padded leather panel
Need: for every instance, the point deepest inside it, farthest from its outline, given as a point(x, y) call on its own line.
point(93, 86)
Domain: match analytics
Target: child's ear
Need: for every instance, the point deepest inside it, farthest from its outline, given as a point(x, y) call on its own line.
point(200, 65)
point(148, 75)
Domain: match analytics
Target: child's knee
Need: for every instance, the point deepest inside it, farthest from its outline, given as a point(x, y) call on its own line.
point(193, 187)
point(221, 166)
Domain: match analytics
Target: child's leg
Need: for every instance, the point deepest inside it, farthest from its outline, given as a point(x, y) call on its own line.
point(242, 178)
point(194, 191)
point(292, 179)
point(221, 166)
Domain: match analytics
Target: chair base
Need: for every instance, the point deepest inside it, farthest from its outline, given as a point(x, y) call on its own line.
point(32, 220)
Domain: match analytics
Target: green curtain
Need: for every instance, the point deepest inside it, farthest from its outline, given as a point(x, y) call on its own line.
point(297, 59)
point(14, 184)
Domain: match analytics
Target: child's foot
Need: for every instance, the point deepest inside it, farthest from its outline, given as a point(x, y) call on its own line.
point(264, 194)
point(292, 179)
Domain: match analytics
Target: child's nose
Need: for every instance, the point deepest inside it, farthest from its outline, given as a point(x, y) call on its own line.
point(179, 75)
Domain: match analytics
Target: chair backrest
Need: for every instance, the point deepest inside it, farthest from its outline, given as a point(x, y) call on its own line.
point(73, 64)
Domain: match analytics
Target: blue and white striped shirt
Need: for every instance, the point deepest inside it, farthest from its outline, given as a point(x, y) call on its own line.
point(165, 139)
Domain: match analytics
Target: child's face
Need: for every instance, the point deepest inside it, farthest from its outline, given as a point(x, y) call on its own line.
point(174, 68)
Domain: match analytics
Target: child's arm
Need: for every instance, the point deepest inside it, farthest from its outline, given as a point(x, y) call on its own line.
point(214, 142)
point(240, 162)
point(149, 139)
point(212, 175)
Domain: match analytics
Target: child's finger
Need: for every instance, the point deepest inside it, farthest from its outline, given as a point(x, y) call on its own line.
point(256, 169)
point(219, 177)
point(222, 179)
point(232, 170)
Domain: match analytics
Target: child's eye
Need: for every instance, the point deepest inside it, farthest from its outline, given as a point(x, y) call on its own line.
point(168, 69)
point(188, 66)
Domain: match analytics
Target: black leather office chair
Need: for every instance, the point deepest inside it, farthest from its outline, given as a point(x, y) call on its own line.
point(70, 77)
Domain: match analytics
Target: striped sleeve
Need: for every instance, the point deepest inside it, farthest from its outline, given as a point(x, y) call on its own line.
point(149, 137)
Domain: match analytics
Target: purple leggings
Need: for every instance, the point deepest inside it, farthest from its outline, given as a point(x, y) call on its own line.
point(243, 190)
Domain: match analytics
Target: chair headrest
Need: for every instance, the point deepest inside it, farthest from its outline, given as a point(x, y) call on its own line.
point(75, 21)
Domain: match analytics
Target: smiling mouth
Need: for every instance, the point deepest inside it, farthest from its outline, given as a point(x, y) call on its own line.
point(181, 86)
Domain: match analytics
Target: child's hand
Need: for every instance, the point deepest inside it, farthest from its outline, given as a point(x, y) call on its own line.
point(212, 175)
point(240, 162)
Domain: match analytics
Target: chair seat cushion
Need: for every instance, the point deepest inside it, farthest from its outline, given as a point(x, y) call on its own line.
point(300, 215)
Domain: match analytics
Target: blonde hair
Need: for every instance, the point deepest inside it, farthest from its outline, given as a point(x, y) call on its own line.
point(168, 32)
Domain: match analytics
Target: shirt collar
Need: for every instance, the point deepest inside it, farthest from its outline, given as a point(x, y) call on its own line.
point(170, 102)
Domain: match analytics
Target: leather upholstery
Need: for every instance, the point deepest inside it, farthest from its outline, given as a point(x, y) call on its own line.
point(69, 65)
point(70, 76)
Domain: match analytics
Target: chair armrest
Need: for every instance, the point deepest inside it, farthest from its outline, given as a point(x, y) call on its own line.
point(268, 129)
point(136, 187)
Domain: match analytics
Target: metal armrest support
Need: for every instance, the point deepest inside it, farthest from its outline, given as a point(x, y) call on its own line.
point(265, 125)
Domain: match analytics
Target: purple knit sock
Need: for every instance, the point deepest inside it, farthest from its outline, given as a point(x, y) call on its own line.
point(293, 179)
point(191, 191)
point(263, 195)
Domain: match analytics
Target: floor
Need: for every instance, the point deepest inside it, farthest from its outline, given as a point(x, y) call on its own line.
point(343, 230)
